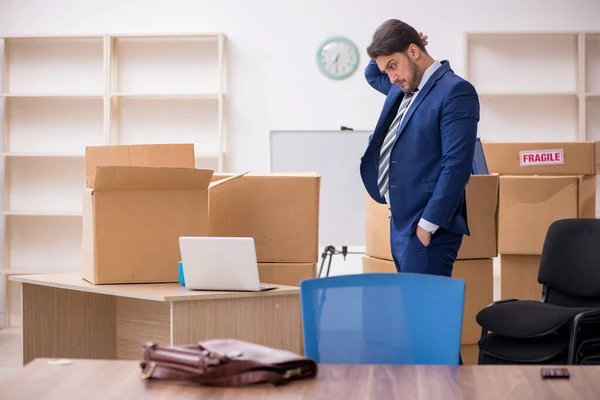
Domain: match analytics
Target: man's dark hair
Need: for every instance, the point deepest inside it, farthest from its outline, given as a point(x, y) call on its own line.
point(393, 36)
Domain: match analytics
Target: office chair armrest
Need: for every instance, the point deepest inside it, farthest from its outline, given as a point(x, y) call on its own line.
point(484, 331)
point(579, 322)
point(592, 316)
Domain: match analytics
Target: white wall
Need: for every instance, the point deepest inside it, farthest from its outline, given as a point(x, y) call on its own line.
point(273, 79)
point(274, 83)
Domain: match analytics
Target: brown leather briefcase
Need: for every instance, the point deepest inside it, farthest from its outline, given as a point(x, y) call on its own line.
point(224, 362)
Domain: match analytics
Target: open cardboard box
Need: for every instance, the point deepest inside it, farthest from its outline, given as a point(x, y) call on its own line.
point(135, 211)
point(140, 199)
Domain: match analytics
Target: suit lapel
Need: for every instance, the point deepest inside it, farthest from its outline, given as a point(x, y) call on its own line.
point(421, 95)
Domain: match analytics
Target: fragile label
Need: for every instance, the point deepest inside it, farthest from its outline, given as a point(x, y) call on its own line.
point(532, 158)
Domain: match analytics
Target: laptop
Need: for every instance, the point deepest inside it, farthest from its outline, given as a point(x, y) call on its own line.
point(220, 263)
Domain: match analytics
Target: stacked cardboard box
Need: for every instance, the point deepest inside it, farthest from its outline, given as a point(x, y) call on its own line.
point(140, 199)
point(474, 264)
point(281, 213)
point(539, 184)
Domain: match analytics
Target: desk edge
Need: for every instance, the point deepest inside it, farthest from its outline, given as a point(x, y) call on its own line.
point(105, 290)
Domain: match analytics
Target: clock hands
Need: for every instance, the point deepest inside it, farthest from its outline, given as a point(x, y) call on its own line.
point(335, 62)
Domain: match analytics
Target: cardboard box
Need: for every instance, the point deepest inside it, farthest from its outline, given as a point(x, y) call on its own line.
point(288, 274)
point(542, 158)
point(479, 279)
point(518, 277)
point(135, 211)
point(372, 265)
point(470, 354)
point(280, 211)
point(529, 204)
point(133, 218)
point(482, 205)
point(143, 155)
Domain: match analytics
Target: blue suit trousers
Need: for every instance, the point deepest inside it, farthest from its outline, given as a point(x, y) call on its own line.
point(438, 258)
point(410, 255)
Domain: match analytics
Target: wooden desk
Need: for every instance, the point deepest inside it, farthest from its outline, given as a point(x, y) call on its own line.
point(67, 317)
point(97, 379)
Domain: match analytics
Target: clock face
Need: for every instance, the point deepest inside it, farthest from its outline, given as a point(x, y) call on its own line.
point(337, 58)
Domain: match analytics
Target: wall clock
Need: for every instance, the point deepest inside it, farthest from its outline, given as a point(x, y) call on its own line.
point(337, 57)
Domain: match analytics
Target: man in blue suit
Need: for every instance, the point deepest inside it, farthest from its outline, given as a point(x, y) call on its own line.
point(419, 157)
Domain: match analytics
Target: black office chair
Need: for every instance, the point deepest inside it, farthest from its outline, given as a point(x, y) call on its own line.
point(564, 327)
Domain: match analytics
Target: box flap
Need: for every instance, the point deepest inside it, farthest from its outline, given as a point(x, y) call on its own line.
point(151, 155)
point(150, 178)
point(229, 178)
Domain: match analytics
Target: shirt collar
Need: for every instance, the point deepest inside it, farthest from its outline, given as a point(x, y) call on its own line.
point(428, 72)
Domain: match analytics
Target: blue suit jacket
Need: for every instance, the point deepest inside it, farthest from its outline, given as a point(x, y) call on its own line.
point(432, 156)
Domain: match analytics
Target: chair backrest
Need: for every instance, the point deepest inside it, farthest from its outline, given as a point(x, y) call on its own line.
point(570, 263)
point(383, 318)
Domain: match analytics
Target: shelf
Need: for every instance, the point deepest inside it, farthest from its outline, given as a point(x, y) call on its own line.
point(50, 186)
point(168, 96)
point(143, 121)
point(522, 120)
point(197, 36)
point(44, 241)
point(522, 63)
point(63, 93)
point(592, 63)
point(53, 37)
point(166, 64)
point(66, 66)
point(54, 95)
point(36, 155)
point(81, 155)
point(208, 161)
point(593, 120)
point(54, 125)
point(42, 213)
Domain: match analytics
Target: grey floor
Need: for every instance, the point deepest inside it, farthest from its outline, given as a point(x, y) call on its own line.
point(10, 351)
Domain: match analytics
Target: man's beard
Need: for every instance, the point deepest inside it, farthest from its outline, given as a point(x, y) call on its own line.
point(415, 76)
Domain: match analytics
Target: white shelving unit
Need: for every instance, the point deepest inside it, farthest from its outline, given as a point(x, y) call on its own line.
point(61, 94)
point(536, 86)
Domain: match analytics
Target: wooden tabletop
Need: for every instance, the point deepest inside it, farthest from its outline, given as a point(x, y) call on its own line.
point(144, 291)
point(99, 379)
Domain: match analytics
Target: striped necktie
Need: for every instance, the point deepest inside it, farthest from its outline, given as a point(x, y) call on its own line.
point(386, 149)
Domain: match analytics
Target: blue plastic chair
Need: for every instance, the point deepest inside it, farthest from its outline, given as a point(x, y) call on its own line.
point(382, 318)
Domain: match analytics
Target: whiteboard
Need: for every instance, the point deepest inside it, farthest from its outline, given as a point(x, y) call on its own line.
point(336, 156)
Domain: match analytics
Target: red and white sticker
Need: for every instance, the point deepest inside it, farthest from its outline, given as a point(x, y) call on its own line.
point(541, 157)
